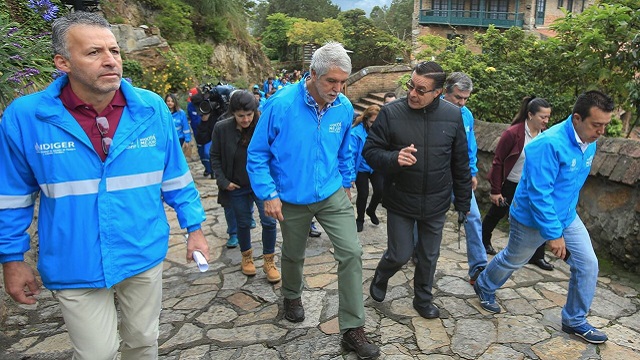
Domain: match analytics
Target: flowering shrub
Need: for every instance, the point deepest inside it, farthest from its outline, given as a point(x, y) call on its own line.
point(25, 56)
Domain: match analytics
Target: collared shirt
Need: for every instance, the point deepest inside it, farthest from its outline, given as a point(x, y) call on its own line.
point(312, 102)
point(583, 145)
point(86, 115)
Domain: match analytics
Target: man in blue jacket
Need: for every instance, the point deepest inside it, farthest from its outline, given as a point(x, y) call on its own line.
point(543, 210)
point(101, 224)
point(299, 165)
point(457, 90)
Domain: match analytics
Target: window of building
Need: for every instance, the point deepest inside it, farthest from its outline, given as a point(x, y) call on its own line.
point(440, 5)
point(497, 9)
point(560, 3)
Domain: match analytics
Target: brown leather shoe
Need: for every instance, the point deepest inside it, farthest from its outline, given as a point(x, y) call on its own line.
point(355, 340)
point(293, 310)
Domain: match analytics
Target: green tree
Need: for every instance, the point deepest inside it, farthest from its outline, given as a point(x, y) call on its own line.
point(274, 38)
point(311, 32)
point(600, 48)
point(395, 19)
point(370, 45)
point(314, 10)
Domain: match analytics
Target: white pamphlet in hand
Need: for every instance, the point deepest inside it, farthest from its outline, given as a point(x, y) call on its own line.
point(200, 261)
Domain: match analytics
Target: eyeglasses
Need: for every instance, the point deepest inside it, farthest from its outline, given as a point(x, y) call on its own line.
point(420, 92)
point(103, 127)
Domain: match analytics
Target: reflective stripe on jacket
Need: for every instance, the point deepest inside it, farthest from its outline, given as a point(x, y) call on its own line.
point(98, 223)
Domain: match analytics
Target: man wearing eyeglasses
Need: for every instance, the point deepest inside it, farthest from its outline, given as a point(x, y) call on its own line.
point(103, 156)
point(419, 143)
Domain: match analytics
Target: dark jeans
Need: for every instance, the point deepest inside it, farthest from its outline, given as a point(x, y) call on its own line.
point(362, 185)
point(242, 204)
point(497, 213)
point(400, 248)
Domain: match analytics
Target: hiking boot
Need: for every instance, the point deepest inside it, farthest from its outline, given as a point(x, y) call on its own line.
point(587, 332)
point(313, 230)
point(232, 242)
point(372, 215)
point(487, 302)
point(248, 268)
point(474, 277)
point(269, 267)
point(293, 310)
point(356, 340)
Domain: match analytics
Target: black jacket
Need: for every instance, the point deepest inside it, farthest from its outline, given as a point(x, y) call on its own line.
point(442, 165)
point(223, 149)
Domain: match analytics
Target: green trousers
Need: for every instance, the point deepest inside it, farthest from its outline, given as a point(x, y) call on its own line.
point(335, 214)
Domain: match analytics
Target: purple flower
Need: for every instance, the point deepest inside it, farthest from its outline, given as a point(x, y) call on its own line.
point(45, 8)
point(57, 73)
point(17, 45)
point(16, 58)
point(12, 31)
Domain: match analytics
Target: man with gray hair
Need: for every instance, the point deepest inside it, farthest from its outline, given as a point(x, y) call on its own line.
point(458, 88)
point(298, 163)
point(102, 226)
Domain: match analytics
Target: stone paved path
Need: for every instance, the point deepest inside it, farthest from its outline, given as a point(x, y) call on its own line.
point(222, 314)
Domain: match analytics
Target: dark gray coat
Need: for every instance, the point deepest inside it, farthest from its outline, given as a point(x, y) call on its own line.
point(442, 166)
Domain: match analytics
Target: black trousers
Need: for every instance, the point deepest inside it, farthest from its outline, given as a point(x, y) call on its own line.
point(362, 185)
point(400, 248)
point(497, 213)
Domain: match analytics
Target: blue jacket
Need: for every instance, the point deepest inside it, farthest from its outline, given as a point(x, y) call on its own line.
point(297, 156)
point(194, 116)
point(98, 223)
point(472, 146)
point(181, 124)
point(358, 138)
point(555, 168)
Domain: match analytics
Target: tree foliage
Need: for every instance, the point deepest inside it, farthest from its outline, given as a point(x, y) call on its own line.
point(313, 10)
point(395, 19)
point(311, 32)
point(597, 49)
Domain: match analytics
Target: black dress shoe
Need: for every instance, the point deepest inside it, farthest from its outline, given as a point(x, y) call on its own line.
point(359, 225)
point(293, 310)
point(378, 289)
point(490, 250)
point(542, 264)
point(429, 312)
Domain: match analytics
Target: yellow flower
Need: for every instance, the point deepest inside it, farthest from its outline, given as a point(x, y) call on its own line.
point(490, 69)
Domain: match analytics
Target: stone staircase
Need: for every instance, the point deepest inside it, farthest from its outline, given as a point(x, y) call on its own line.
point(371, 99)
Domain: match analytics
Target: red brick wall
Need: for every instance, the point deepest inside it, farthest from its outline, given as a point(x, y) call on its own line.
point(374, 79)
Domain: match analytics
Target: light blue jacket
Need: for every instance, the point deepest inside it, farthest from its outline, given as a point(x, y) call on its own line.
point(555, 169)
point(472, 146)
point(98, 223)
point(295, 154)
point(358, 138)
point(182, 125)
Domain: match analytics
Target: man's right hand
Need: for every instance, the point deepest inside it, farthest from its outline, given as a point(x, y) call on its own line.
point(232, 187)
point(273, 208)
point(20, 283)
point(496, 199)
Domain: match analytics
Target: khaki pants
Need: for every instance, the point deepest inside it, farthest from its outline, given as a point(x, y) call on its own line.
point(335, 214)
point(91, 318)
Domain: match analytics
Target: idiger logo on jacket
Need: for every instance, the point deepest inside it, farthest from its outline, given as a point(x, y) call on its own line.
point(335, 128)
point(54, 148)
point(149, 141)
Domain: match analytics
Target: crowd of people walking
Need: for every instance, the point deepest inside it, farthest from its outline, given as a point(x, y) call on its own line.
point(293, 150)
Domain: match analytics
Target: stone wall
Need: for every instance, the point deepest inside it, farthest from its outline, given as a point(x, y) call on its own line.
point(374, 79)
point(609, 202)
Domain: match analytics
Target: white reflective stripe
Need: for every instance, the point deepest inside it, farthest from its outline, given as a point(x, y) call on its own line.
point(82, 187)
point(177, 183)
point(17, 201)
point(134, 181)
